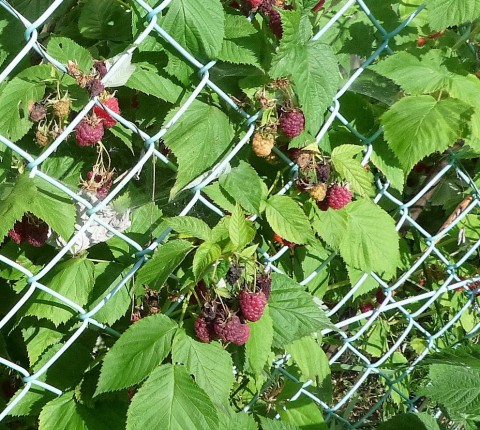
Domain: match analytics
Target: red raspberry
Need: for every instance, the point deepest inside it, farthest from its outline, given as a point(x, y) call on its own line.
point(421, 41)
point(380, 295)
point(17, 233)
point(292, 123)
point(232, 330)
point(89, 131)
point(111, 103)
point(252, 305)
point(275, 23)
point(366, 307)
point(94, 87)
point(277, 238)
point(338, 196)
point(254, 4)
point(30, 229)
point(204, 330)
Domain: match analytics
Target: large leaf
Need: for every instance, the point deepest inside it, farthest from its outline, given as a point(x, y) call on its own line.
point(190, 226)
point(294, 312)
point(465, 355)
point(64, 50)
point(199, 139)
point(331, 225)
point(418, 126)
point(303, 413)
point(418, 421)
point(288, 220)
point(105, 20)
point(268, 424)
point(259, 344)
point(207, 254)
point(371, 242)
point(416, 76)
point(447, 13)
point(74, 280)
point(311, 65)
point(156, 271)
point(209, 363)
point(149, 80)
point(62, 414)
point(240, 229)
point(136, 353)
point(455, 387)
point(170, 399)
point(196, 26)
point(350, 169)
point(249, 197)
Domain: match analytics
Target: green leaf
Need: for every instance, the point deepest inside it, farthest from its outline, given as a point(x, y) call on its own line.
point(39, 338)
point(149, 80)
point(64, 50)
point(123, 134)
point(294, 312)
point(464, 355)
point(219, 196)
point(196, 27)
point(183, 404)
point(207, 254)
point(359, 178)
point(165, 260)
point(14, 105)
point(288, 220)
point(418, 126)
point(240, 46)
point(240, 229)
point(61, 414)
point(455, 387)
point(107, 275)
point(268, 424)
point(190, 226)
point(250, 197)
point(311, 65)
point(140, 349)
point(72, 279)
point(416, 76)
point(312, 362)
point(259, 344)
point(332, 226)
point(209, 363)
point(198, 140)
point(371, 242)
point(105, 20)
point(303, 413)
point(385, 160)
point(417, 421)
point(447, 13)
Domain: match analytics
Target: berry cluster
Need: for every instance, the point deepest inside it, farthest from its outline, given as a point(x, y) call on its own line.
point(30, 229)
point(227, 321)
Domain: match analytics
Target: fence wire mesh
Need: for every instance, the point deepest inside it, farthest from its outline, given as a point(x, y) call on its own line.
point(357, 368)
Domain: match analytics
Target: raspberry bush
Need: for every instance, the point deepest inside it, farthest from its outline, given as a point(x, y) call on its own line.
point(203, 252)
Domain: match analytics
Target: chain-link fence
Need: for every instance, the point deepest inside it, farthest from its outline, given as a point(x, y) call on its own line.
point(357, 370)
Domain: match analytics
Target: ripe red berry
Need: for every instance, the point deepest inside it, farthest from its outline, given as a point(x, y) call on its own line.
point(421, 41)
point(17, 233)
point(275, 23)
point(292, 123)
point(366, 307)
point(338, 196)
point(277, 238)
point(204, 330)
point(252, 305)
point(89, 131)
point(111, 103)
point(254, 4)
point(234, 331)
